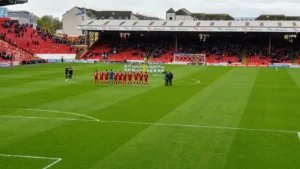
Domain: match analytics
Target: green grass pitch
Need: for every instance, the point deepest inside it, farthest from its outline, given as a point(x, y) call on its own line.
point(212, 118)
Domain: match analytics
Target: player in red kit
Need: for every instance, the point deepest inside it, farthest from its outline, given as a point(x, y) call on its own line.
point(116, 77)
point(141, 78)
point(96, 77)
point(130, 78)
point(120, 77)
point(146, 79)
point(124, 78)
point(106, 77)
point(101, 77)
point(136, 74)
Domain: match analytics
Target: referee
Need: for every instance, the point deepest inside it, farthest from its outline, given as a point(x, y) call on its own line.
point(70, 73)
point(67, 73)
point(170, 78)
point(167, 78)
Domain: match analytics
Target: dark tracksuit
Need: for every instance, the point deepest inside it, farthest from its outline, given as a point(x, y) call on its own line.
point(167, 77)
point(70, 73)
point(170, 78)
point(67, 73)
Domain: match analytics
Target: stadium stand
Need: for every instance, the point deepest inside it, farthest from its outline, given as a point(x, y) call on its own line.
point(12, 53)
point(259, 55)
point(37, 41)
point(131, 49)
point(219, 48)
point(161, 52)
point(9, 51)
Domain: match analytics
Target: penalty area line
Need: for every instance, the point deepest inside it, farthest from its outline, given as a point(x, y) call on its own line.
point(53, 111)
point(159, 124)
point(34, 157)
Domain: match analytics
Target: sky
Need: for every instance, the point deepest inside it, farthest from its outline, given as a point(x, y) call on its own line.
point(158, 8)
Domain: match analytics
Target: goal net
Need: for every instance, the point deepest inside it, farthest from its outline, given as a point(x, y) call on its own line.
point(196, 59)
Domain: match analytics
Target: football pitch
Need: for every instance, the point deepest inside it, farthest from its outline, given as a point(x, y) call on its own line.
point(211, 118)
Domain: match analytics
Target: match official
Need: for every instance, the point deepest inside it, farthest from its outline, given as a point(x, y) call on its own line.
point(67, 73)
point(167, 78)
point(70, 72)
point(170, 78)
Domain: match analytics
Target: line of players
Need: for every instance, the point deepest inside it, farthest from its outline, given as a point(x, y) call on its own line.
point(121, 78)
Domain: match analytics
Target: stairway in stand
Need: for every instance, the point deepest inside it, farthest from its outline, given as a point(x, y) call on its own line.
point(295, 61)
point(244, 55)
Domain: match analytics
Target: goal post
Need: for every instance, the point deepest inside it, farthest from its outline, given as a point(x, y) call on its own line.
point(197, 59)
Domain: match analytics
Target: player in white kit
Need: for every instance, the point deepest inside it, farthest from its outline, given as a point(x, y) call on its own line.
point(125, 68)
point(158, 69)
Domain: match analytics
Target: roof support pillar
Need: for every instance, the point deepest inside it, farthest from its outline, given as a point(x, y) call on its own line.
point(176, 43)
point(270, 43)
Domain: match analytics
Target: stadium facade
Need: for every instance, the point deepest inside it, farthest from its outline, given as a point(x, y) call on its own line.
point(185, 15)
point(77, 16)
point(196, 27)
point(23, 17)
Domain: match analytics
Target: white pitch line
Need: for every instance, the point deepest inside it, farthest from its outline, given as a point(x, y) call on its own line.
point(50, 165)
point(299, 135)
point(53, 111)
point(276, 68)
point(44, 118)
point(157, 124)
point(35, 157)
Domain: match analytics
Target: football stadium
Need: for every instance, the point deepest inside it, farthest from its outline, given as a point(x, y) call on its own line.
point(122, 90)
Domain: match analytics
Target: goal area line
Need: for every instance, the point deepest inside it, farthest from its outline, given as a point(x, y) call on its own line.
point(56, 160)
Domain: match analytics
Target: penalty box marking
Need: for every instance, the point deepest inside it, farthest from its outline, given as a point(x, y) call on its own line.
point(56, 160)
point(53, 111)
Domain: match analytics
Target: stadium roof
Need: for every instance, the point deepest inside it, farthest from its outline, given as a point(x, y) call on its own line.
point(277, 17)
point(171, 10)
point(183, 11)
point(107, 14)
point(200, 16)
point(12, 2)
point(191, 26)
point(204, 16)
point(120, 15)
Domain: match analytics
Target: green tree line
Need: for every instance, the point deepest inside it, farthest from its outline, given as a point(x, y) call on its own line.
point(50, 23)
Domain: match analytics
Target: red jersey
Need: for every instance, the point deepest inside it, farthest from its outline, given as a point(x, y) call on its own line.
point(96, 74)
point(106, 75)
point(130, 76)
point(101, 75)
point(136, 75)
point(120, 75)
point(141, 76)
point(115, 75)
point(124, 76)
point(146, 76)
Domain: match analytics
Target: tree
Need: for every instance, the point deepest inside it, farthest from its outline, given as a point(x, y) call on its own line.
point(50, 23)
